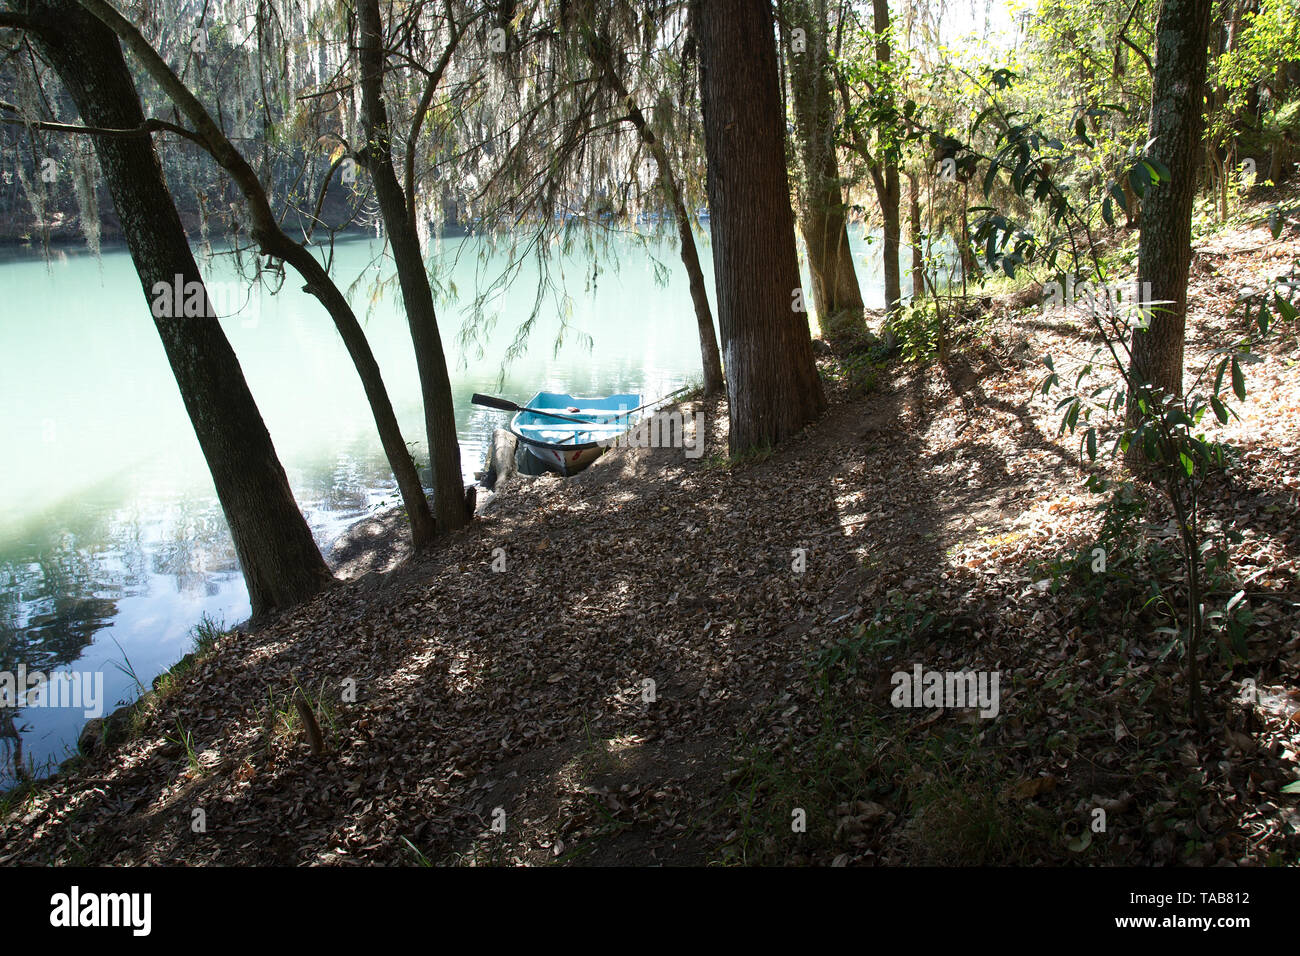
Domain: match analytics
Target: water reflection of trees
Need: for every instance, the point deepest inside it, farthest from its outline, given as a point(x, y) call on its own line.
point(345, 484)
point(58, 590)
point(64, 574)
point(196, 548)
point(52, 601)
point(11, 747)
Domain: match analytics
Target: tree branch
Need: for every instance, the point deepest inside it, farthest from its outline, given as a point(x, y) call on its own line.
point(150, 126)
point(422, 110)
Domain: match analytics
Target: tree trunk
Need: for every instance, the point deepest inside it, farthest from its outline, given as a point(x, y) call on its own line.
point(970, 263)
point(273, 241)
point(417, 296)
point(889, 196)
point(773, 389)
point(710, 359)
point(601, 55)
point(1277, 164)
point(914, 234)
point(837, 297)
point(280, 561)
point(892, 240)
point(1164, 249)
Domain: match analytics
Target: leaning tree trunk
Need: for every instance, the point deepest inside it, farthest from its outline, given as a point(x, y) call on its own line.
point(837, 297)
point(773, 388)
point(417, 296)
point(273, 241)
point(1165, 247)
point(280, 561)
point(599, 51)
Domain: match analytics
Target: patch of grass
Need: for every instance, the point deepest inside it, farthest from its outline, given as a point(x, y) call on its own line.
point(960, 814)
point(20, 797)
point(611, 826)
point(204, 635)
point(420, 858)
point(186, 740)
point(861, 780)
point(596, 758)
point(746, 459)
point(1110, 572)
point(937, 801)
point(127, 668)
point(858, 373)
point(694, 392)
point(895, 623)
point(85, 845)
point(282, 720)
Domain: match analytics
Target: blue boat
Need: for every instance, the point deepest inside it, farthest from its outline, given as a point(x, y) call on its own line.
point(566, 433)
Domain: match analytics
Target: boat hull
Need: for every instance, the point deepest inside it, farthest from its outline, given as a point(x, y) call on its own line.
point(565, 446)
point(568, 462)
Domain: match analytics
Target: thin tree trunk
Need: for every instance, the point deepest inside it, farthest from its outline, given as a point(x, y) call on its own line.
point(889, 198)
point(773, 388)
point(417, 296)
point(278, 556)
point(1277, 156)
point(892, 240)
point(1164, 249)
point(274, 242)
point(914, 235)
point(601, 55)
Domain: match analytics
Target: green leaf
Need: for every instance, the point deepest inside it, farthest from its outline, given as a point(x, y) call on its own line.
point(1189, 466)
point(990, 177)
point(1160, 169)
point(1238, 380)
point(1220, 410)
point(1139, 177)
point(1292, 787)
point(1218, 376)
point(1119, 195)
point(1287, 310)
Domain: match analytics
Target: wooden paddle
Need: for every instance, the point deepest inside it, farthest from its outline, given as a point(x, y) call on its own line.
point(505, 405)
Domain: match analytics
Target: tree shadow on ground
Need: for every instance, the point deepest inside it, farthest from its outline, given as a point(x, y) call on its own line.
point(569, 679)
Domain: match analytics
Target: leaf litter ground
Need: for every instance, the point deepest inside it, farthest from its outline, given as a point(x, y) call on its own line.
point(936, 515)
